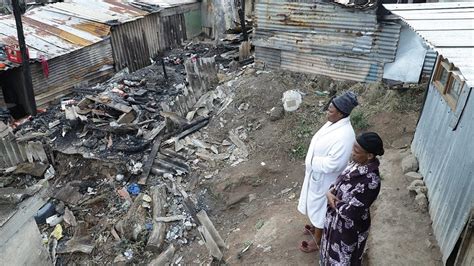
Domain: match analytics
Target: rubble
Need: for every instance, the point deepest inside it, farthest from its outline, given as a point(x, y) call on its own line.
point(165, 257)
point(417, 187)
point(114, 176)
point(130, 226)
point(13, 195)
point(69, 218)
point(80, 242)
point(169, 219)
point(149, 162)
point(211, 237)
point(158, 233)
point(421, 190)
point(34, 169)
point(245, 249)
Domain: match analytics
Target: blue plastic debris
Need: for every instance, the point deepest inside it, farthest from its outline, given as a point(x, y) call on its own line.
point(49, 209)
point(133, 189)
point(149, 226)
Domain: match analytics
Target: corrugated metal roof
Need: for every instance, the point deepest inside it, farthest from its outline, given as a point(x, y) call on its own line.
point(103, 11)
point(324, 38)
point(164, 3)
point(430, 60)
point(446, 163)
point(51, 34)
point(61, 28)
point(447, 27)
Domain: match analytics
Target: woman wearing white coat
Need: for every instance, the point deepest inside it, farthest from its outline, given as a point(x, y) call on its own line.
point(328, 155)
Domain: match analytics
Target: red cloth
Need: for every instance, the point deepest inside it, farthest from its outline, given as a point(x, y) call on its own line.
point(45, 66)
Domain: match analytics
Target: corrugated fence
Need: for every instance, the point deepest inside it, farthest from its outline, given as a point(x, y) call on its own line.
point(323, 38)
point(135, 42)
point(13, 152)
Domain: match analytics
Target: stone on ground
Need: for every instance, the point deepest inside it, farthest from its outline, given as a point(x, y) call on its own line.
point(415, 184)
point(409, 164)
point(414, 176)
point(276, 113)
point(422, 202)
point(421, 190)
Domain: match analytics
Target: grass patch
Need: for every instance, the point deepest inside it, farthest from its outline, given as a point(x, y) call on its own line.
point(304, 129)
point(301, 134)
point(298, 151)
point(359, 120)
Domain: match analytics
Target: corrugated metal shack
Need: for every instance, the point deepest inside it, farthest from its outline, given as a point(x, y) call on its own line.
point(59, 39)
point(443, 140)
point(324, 38)
point(87, 41)
point(77, 48)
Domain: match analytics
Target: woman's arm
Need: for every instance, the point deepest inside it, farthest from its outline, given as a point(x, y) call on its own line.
point(362, 196)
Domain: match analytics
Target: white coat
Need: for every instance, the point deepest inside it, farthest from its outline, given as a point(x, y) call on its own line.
point(328, 155)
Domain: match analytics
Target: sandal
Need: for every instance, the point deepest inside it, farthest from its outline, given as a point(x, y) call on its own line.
point(309, 229)
point(309, 247)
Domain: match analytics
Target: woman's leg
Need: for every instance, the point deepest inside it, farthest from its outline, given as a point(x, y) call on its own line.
point(315, 243)
point(318, 234)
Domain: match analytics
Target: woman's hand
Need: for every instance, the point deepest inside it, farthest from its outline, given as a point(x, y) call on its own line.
point(332, 199)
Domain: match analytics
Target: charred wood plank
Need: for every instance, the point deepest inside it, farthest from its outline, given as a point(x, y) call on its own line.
point(149, 163)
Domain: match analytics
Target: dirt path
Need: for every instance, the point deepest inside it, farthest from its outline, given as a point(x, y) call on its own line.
point(400, 234)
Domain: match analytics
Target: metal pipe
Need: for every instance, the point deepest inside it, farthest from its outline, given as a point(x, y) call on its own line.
point(27, 96)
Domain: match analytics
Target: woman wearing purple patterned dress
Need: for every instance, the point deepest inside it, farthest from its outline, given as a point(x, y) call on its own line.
point(349, 199)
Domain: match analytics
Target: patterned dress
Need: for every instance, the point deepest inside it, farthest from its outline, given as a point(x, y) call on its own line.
point(347, 227)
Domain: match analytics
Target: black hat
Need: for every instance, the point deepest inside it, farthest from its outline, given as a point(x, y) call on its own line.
point(371, 142)
point(346, 102)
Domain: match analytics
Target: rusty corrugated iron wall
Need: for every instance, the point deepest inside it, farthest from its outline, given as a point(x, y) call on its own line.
point(82, 67)
point(324, 38)
point(135, 42)
point(173, 30)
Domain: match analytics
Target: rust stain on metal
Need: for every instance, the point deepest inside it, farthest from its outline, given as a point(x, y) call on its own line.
point(94, 28)
point(288, 20)
point(79, 75)
point(45, 29)
point(119, 7)
point(8, 40)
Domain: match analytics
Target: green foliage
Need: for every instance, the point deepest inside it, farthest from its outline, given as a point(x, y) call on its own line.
point(359, 120)
point(299, 151)
point(304, 129)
